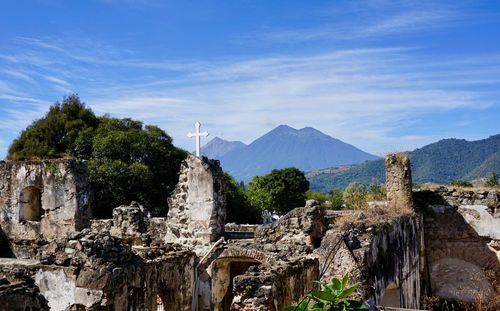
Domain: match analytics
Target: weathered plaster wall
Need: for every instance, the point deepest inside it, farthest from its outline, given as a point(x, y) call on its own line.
point(462, 242)
point(96, 271)
point(57, 190)
point(197, 206)
point(380, 257)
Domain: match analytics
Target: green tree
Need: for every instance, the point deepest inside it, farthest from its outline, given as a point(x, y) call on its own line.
point(132, 162)
point(280, 191)
point(355, 196)
point(318, 196)
point(336, 197)
point(239, 210)
point(127, 161)
point(492, 181)
point(55, 135)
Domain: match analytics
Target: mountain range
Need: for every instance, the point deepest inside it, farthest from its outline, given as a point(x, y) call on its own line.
point(306, 149)
point(440, 162)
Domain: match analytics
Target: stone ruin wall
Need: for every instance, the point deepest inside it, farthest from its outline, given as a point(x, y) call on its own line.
point(197, 206)
point(384, 257)
point(462, 237)
point(43, 198)
point(96, 270)
point(131, 261)
point(398, 181)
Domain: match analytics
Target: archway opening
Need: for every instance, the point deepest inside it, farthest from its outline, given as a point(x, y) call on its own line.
point(225, 270)
point(30, 204)
point(390, 298)
point(159, 304)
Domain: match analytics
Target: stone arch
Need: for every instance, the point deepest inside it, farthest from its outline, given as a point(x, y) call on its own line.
point(224, 270)
point(391, 296)
point(240, 252)
point(30, 204)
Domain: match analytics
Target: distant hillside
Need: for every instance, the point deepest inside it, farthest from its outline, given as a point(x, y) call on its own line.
point(440, 162)
point(307, 149)
point(217, 147)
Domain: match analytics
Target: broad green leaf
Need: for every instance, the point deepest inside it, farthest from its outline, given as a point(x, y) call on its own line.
point(323, 295)
point(336, 284)
point(348, 291)
point(345, 279)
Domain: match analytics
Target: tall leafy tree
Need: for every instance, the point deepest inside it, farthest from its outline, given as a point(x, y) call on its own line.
point(133, 162)
point(280, 191)
point(239, 209)
point(54, 135)
point(127, 160)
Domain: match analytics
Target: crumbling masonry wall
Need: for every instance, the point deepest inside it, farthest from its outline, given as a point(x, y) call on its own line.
point(462, 237)
point(43, 198)
point(380, 248)
point(398, 181)
point(197, 206)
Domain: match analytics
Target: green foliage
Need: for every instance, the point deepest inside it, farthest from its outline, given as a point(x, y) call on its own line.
point(127, 161)
point(332, 200)
point(239, 209)
point(336, 197)
point(54, 136)
point(280, 191)
point(321, 197)
point(492, 181)
point(331, 297)
point(131, 162)
point(355, 196)
point(376, 192)
point(461, 183)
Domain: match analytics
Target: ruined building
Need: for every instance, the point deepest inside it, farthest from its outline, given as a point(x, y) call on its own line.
point(54, 255)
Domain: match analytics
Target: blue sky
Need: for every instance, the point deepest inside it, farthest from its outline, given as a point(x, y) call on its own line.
point(382, 75)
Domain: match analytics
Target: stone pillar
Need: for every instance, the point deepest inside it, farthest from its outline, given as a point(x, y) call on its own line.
point(398, 181)
point(197, 206)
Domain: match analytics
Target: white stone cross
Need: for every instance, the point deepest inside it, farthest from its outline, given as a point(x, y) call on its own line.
point(197, 136)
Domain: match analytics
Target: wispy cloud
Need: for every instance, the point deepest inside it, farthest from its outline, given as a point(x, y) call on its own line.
point(366, 95)
point(355, 20)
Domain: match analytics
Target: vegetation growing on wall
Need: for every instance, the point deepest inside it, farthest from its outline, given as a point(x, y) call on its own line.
point(334, 296)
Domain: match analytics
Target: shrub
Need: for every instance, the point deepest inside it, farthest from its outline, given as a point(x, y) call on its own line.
point(331, 297)
point(336, 197)
point(492, 181)
point(355, 196)
point(461, 183)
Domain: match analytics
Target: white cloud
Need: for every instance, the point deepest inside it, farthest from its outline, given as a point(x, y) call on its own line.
point(365, 96)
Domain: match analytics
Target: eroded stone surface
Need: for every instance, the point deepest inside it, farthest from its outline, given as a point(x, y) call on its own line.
point(43, 198)
point(197, 207)
point(456, 279)
point(398, 181)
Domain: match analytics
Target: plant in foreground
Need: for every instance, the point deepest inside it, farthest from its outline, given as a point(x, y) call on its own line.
point(331, 297)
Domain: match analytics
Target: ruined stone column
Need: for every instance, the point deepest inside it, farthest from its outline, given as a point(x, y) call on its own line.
point(197, 206)
point(398, 181)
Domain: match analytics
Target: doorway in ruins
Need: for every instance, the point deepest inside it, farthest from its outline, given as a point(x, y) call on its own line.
point(224, 271)
point(30, 204)
point(391, 295)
